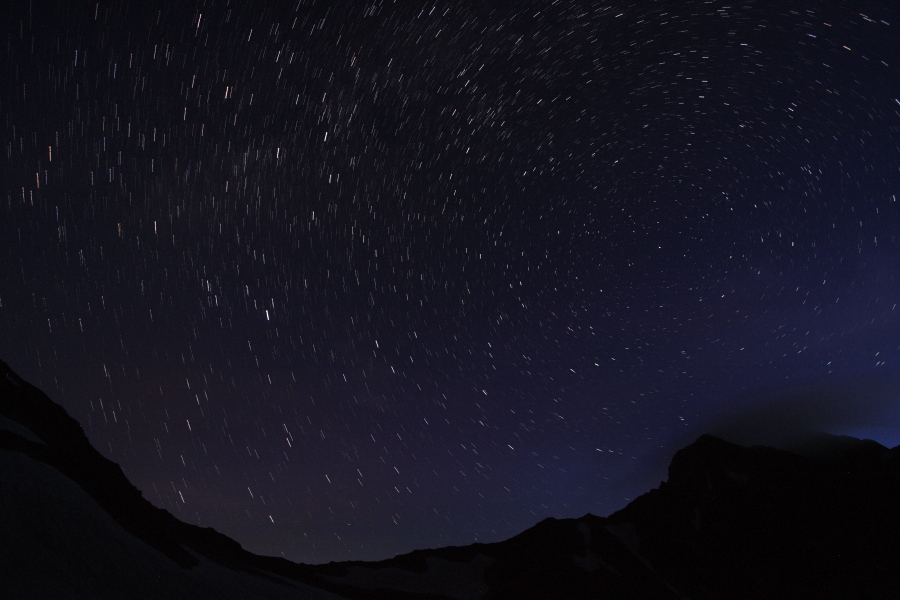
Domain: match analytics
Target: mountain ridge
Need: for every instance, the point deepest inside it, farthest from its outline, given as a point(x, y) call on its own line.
point(730, 521)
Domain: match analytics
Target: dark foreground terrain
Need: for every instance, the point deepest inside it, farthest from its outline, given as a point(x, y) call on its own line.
point(730, 522)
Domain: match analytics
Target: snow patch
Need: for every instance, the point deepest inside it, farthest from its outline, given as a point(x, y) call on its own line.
point(590, 562)
point(458, 580)
point(7, 424)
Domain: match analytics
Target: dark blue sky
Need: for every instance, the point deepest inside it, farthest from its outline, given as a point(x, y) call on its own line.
point(343, 280)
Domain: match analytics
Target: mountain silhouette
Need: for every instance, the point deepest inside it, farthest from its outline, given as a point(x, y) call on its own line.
point(819, 521)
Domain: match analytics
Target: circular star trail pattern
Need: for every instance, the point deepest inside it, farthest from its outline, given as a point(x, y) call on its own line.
point(343, 280)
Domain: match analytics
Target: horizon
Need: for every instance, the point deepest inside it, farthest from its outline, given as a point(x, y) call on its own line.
point(788, 443)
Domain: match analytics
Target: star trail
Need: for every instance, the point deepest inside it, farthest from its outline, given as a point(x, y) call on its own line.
point(347, 279)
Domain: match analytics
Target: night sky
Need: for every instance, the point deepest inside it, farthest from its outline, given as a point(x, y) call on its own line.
point(347, 279)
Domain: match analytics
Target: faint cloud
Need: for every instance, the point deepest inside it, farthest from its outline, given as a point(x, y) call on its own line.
point(859, 406)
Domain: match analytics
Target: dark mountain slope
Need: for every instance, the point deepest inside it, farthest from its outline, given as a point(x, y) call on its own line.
point(764, 523)
point(38, 428)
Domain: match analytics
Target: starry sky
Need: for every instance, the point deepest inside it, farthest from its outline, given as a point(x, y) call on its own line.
point(344, 279)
